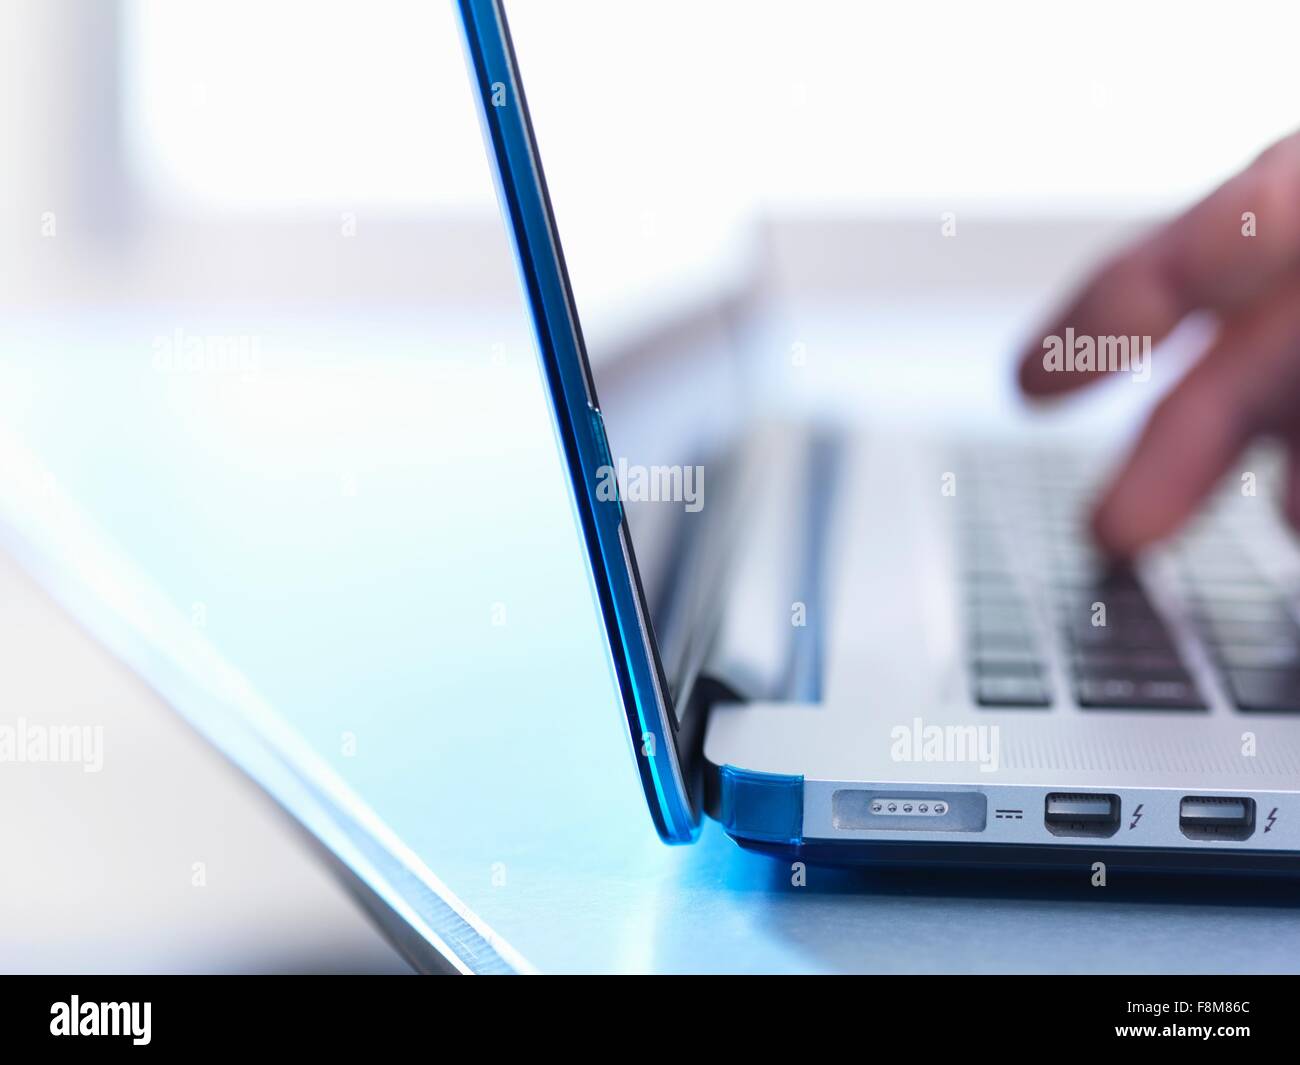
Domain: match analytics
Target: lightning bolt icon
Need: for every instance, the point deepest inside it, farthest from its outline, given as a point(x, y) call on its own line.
point(1272, 817)
point(1137, 816)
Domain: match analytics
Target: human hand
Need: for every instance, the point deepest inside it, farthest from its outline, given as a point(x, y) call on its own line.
point(1236, 254)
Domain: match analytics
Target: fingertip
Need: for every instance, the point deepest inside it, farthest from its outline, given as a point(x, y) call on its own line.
point(1038, 379)
point(1028, 375)
point(1035, 383)
point(1113, 534)
point(1024, 379)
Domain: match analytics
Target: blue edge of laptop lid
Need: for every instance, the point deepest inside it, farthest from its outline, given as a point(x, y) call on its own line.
point(577, 420)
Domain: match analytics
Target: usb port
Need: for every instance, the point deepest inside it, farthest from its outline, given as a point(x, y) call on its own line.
point(1081, 814)
point(1216, 817)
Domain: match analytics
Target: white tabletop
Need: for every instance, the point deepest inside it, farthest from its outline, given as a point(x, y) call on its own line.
point(354, 566)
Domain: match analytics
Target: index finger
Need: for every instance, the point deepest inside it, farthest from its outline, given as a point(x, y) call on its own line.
point(1221, 253)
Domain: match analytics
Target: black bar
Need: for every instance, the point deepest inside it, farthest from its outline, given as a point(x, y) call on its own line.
point(478, 1017)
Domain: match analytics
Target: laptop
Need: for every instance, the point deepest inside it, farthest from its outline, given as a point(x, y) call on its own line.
point(870, 650)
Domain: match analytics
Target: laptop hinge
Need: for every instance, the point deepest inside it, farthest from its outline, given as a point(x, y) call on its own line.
point(767, 645)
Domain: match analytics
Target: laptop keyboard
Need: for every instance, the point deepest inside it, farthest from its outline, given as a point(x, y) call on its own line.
point(1035, 592)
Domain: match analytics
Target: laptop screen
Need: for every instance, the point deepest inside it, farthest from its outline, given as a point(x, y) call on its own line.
point(658, 250)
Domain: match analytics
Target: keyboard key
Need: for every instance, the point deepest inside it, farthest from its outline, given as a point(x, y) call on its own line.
point(1125, 663)
point(1126, 602)
point(1007, 667)
point(1000, 619)
point(1266, 690)
point(1141, 635)
point(1253, 633)
point(1169, 692)
point(994, 660)
point(1239, 591)
point(989, 584)
point(1220, 570)
point(1169, 670)
point(984, 642)
point(1138, 693)
point(1259, 656)
point(1011, 691)
point(1215, 611)
point(1105, 691)
point(976, 569)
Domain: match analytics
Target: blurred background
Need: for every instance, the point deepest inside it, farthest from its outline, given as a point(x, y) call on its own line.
point(259, 323)
point(671, 132)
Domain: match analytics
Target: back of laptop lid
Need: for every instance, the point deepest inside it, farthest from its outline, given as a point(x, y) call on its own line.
point(647, 702)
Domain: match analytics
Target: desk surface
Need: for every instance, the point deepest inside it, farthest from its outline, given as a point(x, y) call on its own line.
point(359, 576)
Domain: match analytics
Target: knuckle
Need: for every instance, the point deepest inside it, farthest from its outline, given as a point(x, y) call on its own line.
point(1273, 193)
point(1283, 152)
